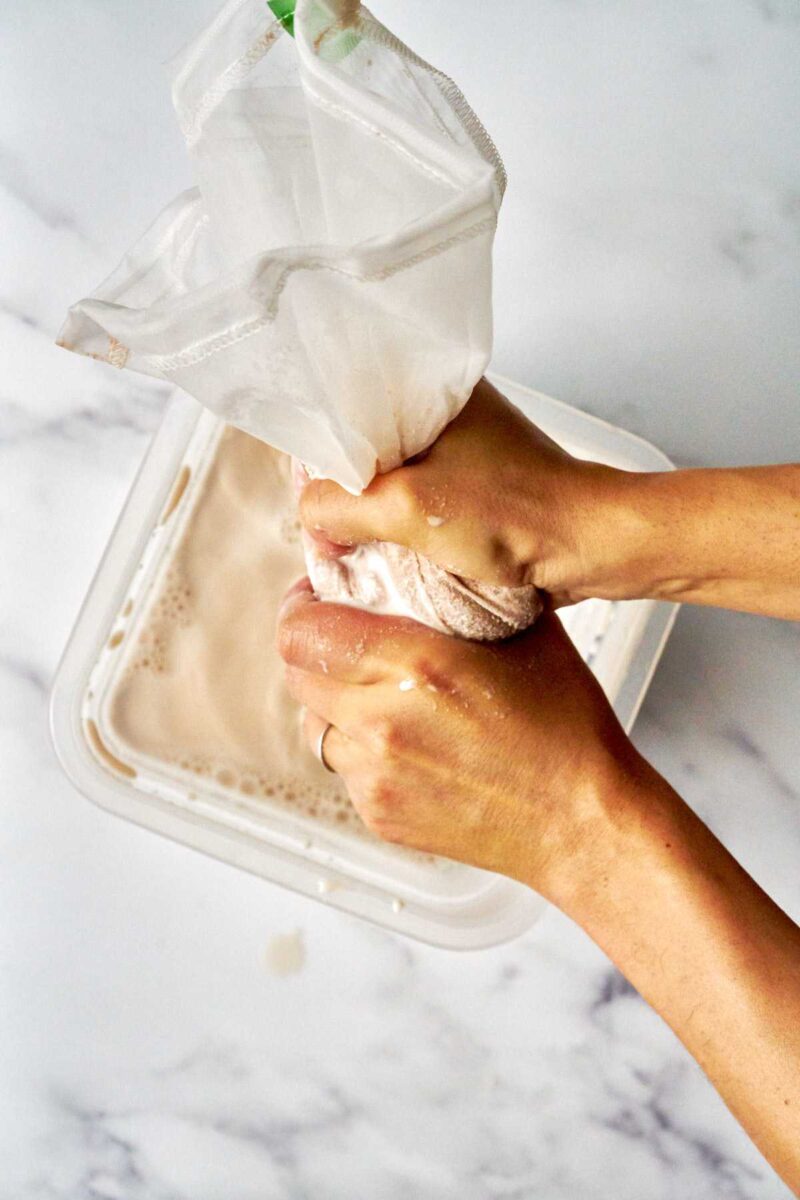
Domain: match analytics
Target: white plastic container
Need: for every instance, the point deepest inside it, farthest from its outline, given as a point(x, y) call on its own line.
point(437, 901)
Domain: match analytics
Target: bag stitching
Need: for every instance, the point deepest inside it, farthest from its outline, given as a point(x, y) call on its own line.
point(346, 115)
point(192, 121)
point(204, 349)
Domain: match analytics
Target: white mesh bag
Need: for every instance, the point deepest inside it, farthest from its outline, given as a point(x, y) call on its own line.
point(327, 286)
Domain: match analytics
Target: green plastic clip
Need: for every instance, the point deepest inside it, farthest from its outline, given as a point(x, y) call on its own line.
point(284, 11)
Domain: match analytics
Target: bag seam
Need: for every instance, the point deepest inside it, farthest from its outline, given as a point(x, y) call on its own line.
point(192, 355)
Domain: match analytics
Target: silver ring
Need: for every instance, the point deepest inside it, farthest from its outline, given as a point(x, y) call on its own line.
point(319, 748)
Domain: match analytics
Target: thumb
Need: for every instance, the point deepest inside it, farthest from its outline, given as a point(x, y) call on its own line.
point(385, 511)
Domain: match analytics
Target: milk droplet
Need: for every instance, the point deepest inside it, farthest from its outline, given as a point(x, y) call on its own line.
point(406, 685)
point(436, 521)
point(397, 905)
point(285, 953)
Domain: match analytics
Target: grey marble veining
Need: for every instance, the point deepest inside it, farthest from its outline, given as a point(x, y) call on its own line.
point(647, 270)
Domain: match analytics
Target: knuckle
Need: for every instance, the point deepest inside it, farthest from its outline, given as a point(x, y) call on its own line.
point(374, 798)
point(378, 807)
point(304, 637)
point(382, 825)
point(432, 669)
point(381, 795)
point(316, 502)
point(294, 641)
point(400, 490)
point(386, 736)
point(424, 668)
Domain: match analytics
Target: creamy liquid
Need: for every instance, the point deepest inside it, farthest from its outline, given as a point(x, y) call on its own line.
point(202, 689)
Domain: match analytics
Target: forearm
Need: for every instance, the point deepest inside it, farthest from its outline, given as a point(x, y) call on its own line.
point(707, 949)
point(727, 537)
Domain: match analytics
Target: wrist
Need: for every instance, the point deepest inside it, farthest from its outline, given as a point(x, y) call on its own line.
point(621, 537)
point(618, 825)
point(594, 540)
point(640, 538)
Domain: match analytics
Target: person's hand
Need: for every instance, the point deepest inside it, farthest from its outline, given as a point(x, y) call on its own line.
point(493, 499)
point(507, 756)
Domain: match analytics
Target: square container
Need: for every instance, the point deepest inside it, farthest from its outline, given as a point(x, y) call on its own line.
point(437, 901)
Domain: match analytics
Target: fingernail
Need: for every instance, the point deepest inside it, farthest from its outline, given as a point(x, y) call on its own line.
point(299, 475)
point(299, 593)
point(319, 543)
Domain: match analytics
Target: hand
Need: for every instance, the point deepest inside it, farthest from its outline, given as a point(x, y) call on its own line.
point(493, 499)
point(506, 755)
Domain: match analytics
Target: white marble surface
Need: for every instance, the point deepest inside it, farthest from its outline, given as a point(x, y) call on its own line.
point(647, 270)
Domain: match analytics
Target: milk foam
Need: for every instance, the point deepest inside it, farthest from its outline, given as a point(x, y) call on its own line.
point(202, 689)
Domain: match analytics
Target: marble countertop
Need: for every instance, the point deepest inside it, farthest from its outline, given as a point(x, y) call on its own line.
point(648, 271)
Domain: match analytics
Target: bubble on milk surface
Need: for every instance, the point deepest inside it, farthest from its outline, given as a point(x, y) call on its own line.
point(172, 628)
point(173, 608)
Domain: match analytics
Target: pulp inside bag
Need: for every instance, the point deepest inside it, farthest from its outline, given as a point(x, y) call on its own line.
point(396, 580)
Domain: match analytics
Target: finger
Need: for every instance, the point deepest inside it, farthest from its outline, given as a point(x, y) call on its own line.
point(347, 644)
point(329, 699)
point(302, 589)
point(338, 749)
point(387, 511)
point(402, 505)
point(561, 600)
